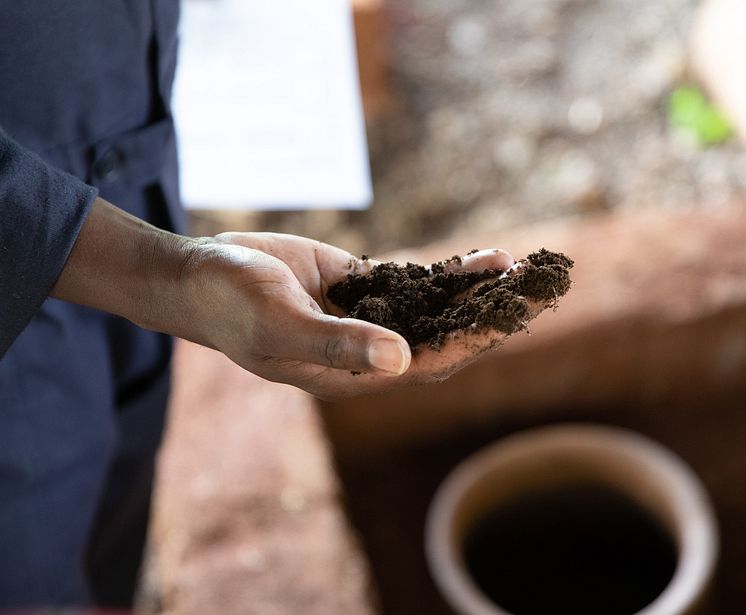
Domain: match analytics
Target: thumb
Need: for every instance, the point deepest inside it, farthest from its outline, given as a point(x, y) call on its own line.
point(345, 343)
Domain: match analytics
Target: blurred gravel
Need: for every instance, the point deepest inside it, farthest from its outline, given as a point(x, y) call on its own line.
point(512, 111)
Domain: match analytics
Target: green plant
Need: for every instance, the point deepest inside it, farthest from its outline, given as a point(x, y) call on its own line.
point(691, 112)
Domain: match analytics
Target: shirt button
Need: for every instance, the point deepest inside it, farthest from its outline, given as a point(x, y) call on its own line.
point(109, 165)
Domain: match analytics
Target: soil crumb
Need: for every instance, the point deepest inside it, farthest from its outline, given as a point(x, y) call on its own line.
point(425, 304)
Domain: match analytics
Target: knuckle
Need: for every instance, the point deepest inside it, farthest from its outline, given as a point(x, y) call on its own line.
point(336, 351)
point(225, 237)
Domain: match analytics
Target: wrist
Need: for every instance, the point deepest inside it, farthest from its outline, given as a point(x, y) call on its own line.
point(122, 265)
point(170, 268)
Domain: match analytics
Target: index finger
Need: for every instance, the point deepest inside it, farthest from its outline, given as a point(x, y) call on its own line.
point(481, 260)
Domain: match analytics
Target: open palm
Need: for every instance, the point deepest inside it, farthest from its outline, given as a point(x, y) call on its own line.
point(288, 331)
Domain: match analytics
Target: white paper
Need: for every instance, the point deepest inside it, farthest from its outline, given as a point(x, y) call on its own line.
point(267, 106)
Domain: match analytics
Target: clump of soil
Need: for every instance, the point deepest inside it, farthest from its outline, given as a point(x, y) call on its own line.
point(424, 305)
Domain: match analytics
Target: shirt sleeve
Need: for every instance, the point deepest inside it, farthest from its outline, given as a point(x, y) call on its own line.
point(42, 211)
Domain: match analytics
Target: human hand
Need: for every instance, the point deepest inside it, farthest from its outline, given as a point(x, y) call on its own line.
point(260, 298)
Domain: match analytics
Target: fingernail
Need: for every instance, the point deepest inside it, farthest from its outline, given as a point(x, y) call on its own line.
point(507, 260)
point(388, 356)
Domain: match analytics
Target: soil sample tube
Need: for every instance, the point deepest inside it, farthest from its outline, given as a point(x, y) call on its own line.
point(573, 519)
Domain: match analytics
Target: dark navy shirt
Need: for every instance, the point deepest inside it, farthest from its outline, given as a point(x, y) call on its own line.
point(84, 107)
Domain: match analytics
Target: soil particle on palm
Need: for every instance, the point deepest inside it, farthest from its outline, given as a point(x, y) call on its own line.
point(425, 304)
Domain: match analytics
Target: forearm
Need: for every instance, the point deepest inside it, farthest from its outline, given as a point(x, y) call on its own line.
point(258, 298)
point(125, 266)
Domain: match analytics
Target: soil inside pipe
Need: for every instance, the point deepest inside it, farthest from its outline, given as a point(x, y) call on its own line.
point(584, 549)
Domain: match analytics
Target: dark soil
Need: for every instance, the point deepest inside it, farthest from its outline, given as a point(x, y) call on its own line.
point(424, 305)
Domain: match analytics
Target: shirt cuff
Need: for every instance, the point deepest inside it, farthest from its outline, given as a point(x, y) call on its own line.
point(42, 210)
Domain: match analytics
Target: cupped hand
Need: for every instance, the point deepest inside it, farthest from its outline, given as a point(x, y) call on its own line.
point(261, 300)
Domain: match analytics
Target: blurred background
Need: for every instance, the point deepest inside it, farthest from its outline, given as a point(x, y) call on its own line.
point(489, 114)
point(611, 130)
